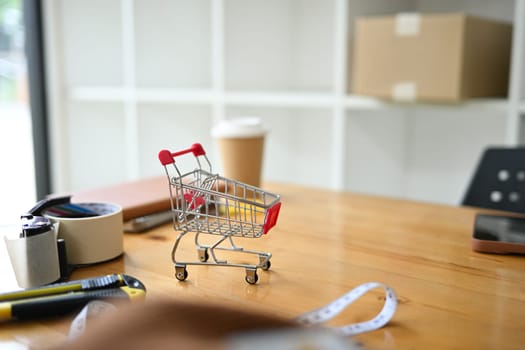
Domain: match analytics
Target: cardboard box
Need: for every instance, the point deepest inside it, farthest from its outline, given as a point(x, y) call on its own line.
point(434, 57)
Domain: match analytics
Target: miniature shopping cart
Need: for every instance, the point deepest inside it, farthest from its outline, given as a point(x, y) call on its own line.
point(203, 202)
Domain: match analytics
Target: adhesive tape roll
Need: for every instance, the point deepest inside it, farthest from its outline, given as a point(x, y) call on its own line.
point(92, 239)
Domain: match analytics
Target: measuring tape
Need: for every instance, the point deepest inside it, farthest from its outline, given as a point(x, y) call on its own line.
point(311, 318)
point(326, 313)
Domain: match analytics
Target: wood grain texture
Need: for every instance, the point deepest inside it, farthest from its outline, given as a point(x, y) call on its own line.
point(327, 243)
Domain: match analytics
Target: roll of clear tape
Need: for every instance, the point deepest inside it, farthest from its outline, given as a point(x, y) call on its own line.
point(34, 259)
point(92, 239)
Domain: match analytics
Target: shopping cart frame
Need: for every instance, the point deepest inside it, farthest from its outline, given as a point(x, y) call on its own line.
point(204, 202)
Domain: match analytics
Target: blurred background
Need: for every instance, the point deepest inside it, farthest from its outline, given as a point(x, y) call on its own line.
point(126, 78)
point(17, 185)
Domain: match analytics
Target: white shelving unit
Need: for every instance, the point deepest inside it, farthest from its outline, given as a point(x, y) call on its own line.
point(130, 77)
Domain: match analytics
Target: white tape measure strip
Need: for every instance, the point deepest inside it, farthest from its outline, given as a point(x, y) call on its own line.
point(326, 313)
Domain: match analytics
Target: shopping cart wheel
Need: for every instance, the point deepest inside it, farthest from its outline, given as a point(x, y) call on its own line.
point(266, 265)
point(264, 262)
point(251, 276)
point(180, 272)
point(203, 254)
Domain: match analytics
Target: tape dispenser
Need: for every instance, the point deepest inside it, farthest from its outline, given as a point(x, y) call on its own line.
point(37, 255)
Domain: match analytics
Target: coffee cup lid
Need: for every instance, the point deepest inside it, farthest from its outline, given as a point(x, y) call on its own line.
point(239, 127)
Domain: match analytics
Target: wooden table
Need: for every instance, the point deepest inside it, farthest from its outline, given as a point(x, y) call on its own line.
point(325, 244)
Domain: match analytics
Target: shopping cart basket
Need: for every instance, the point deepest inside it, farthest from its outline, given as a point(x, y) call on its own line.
point(203, 202)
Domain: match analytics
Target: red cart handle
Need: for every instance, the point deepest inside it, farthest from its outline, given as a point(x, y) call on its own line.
point(166, 157)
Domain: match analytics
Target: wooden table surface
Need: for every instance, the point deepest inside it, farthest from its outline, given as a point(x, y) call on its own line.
point(327, 243)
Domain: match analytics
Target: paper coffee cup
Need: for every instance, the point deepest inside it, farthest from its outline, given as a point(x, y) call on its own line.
point(241, 145)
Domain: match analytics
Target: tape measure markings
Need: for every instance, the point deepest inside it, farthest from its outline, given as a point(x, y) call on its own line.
point(326, 313)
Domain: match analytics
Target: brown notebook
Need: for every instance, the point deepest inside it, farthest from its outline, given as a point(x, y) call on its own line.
point(137, 198)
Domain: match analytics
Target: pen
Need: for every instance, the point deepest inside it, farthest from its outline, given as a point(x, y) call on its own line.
point(147, 222)
point(62, 298)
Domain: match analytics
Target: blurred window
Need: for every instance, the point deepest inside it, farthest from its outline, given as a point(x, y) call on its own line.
point(17, 174)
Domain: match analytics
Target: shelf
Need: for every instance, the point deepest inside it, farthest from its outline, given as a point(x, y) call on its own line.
point(202, 96)
point(97, 94)
point(269, 99)
point(279, 99)
point(356, 102)
point(120, 94)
